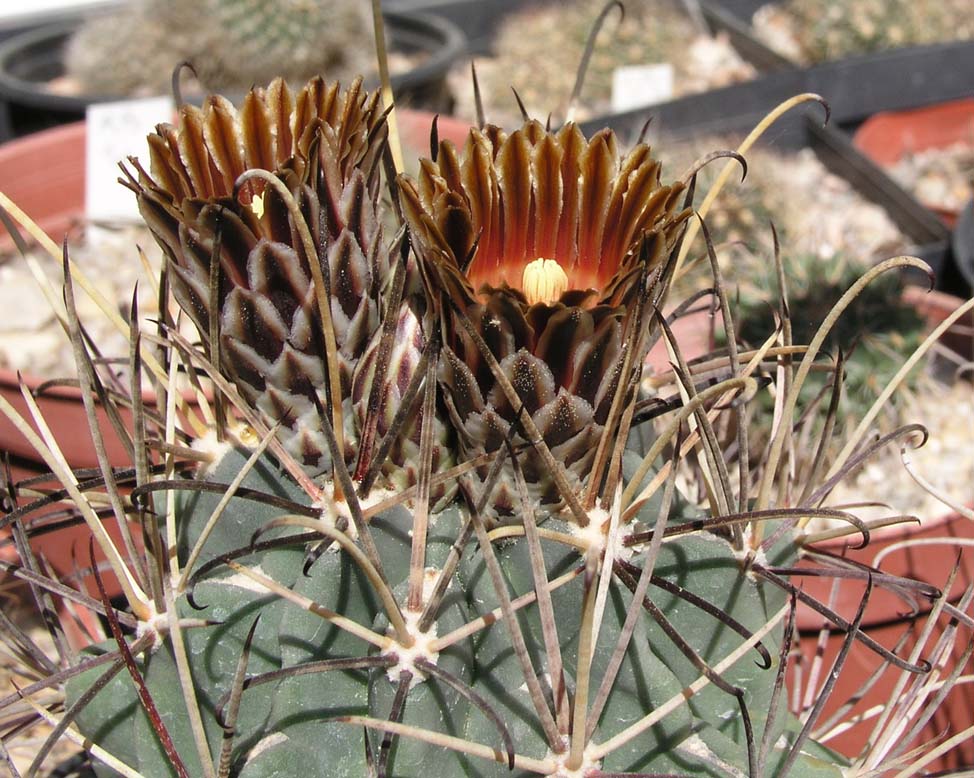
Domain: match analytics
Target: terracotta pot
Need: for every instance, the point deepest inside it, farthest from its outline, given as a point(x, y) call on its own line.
point(64, 551)
point(925, 563)
point(694, 333)
point(954, 714)
point(935, 307)
point(415, 126)
point(64, 412)
point(924, 553)
point(888, 137)
point(44, 174)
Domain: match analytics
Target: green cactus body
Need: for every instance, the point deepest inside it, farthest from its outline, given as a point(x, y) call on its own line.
point(287, 725)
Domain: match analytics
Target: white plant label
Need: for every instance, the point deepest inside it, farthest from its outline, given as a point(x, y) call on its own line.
point(116, 131)
point(635, 86)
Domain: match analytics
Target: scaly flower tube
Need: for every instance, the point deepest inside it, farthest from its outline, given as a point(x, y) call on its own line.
point(271, 222)
point(538, 244)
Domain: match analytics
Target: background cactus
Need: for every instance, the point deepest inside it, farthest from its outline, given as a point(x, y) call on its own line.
point(879, 327)
point(232, 44)
point(294, 39)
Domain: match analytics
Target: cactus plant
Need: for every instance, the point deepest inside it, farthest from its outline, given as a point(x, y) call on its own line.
point(242, 43)
point(879, 327)
point(316, 588)
point(305, 672)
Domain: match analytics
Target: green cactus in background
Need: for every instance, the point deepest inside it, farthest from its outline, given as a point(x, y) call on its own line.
point(232, 44)
point(294, 39)
point(414, 528)
point(878, 331)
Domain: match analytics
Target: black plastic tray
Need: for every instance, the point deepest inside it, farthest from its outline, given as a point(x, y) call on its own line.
point(700, 115)
point(856, 88)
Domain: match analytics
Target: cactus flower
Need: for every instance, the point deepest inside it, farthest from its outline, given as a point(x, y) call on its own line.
point(542, 241)
point(285, 180)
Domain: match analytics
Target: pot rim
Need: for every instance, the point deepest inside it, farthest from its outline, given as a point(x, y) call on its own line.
point(444, 41)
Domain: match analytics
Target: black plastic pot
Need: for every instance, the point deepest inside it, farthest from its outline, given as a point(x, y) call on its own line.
point(932, 238)
point(425, 86)
point(962, 243)
point(734, 19)
point(30, 60)
point(737, 109)
point(478, 19)
point(856, 88)
point(743, 9)
point(730, 110)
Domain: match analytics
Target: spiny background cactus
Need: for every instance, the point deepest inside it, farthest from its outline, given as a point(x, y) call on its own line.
point(294, 615)
point(879, 327)
point(232, 44)
point(294, 39)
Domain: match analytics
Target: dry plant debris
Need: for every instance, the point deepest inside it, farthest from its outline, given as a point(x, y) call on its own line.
point(940, 178)
point(810, 31)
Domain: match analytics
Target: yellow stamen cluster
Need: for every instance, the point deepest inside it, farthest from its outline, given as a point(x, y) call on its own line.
point(257, 205)
point(543, 281)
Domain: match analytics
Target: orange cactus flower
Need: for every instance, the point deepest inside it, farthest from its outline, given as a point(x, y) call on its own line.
point(539, 242)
